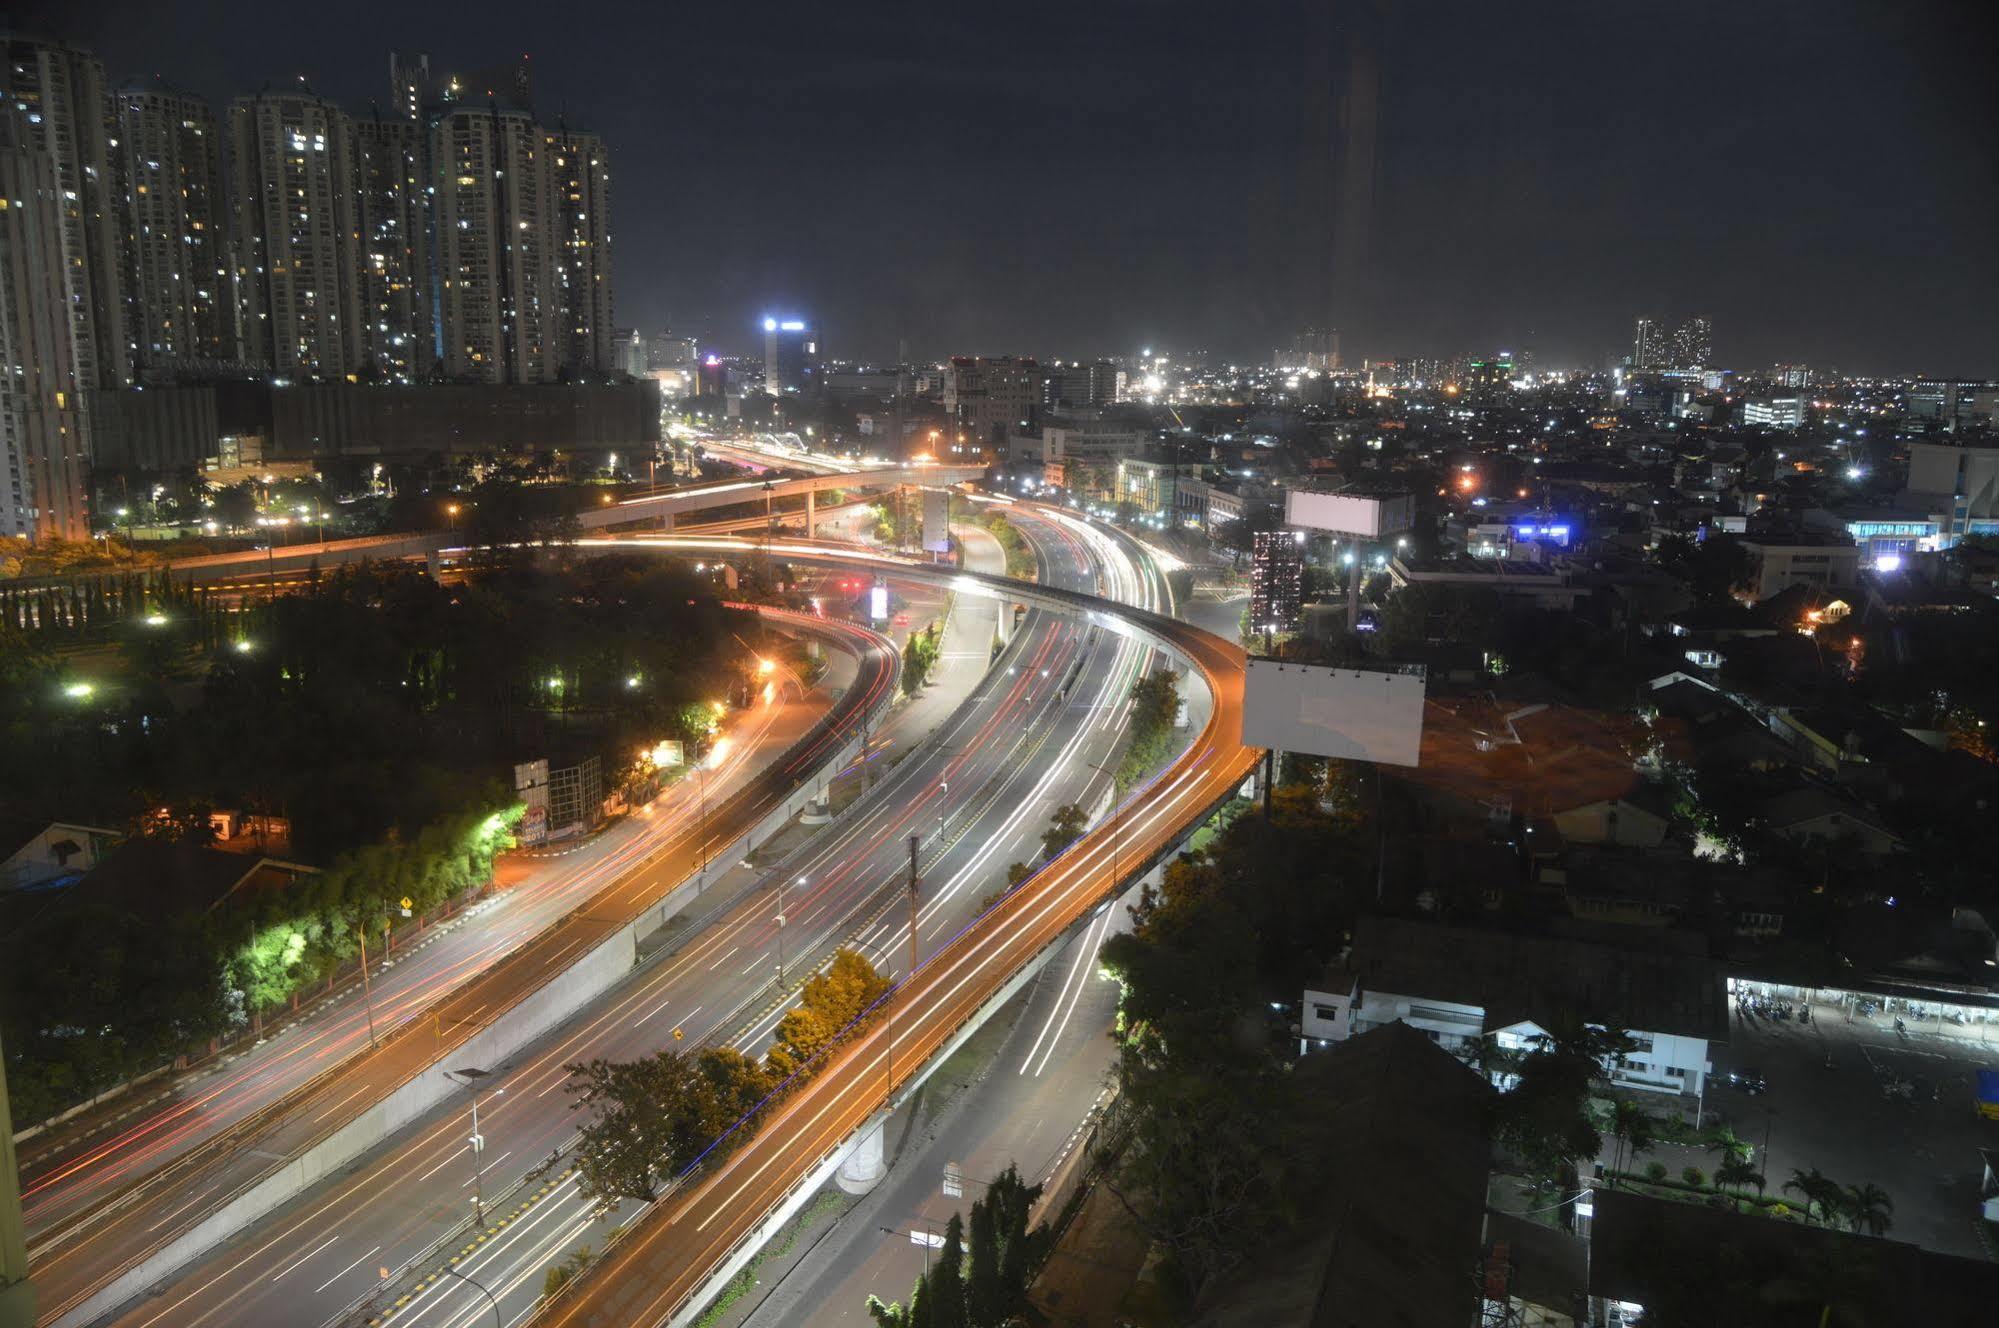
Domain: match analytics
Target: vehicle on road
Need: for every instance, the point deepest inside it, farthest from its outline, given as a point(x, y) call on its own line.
point(1746, 1081)
point(1987, 1101)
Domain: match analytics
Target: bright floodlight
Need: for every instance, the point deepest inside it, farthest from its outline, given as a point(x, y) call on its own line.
point(156, 620)
point(78, 691)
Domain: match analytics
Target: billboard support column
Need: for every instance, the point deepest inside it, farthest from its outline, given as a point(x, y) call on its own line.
point(1353, 593)
point(1269, 778)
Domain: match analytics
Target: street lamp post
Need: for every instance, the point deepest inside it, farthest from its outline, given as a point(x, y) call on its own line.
point(702, 783)
point(471, 1077)
point(1117, 825)
point(497, 1320)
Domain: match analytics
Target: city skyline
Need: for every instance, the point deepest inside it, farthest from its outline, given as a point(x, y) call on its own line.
point(1136, 189)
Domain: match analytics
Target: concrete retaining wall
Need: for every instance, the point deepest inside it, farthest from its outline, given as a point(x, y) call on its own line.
point(536, 1015)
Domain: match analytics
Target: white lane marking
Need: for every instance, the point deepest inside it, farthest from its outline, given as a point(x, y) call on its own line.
point(1075, 997)
point(344, 1271)
point(724, 959)
point(307, 1255)
point(442, 1165)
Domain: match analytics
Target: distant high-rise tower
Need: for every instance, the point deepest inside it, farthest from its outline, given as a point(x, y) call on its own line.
point(293, 184)
point(178, 302)
point(60, 93)
point(43, 460)
point(495, 224)
point(1276, 580)
point(1693, 344)
point(1645, 344)
point(580, 173)
point(791, 355)
point(392, 222)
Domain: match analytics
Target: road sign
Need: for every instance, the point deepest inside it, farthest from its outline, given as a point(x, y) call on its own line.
point(954, 1181)
point(679, 1033)
point(407, 904)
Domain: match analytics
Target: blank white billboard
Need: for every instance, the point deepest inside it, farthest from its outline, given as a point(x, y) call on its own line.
point(1347, 513)
point(1354, 714)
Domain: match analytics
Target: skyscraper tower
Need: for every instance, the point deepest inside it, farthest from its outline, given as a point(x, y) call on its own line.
point(176, 277)
point(392, 218)
point(293, 186)
point(1645, 344)
point(580, 170)
point(60, 92)
point(43, 442)
point(1693, 344)
point(495, 223)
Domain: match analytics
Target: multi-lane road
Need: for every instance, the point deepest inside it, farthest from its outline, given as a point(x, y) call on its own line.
point(1022, 1093)
point(656, 1271)
point(96, 1242)
point(75, 1165)
point(979, 795)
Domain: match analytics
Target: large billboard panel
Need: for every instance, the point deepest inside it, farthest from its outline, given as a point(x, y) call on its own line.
point(1354, 714)
point(1348, 513)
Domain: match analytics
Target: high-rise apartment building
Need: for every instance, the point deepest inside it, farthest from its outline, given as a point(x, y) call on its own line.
point(1647, 344)
point(392, 222)
point(986, 397)
point(176, 279)
point(1276, 580)
point(792, 358)
point(1693, 343)
point(1077, 385)
point(60, 93)
point(579, 169)
point(43, 458)
point(292, 179)
point(495, 219)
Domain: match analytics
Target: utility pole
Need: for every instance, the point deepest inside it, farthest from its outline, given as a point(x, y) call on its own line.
point(367, 992)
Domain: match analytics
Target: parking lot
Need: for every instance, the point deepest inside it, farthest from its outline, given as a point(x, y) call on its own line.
point(1894, 1109)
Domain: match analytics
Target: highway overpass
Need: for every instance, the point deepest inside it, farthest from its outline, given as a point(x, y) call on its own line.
point(663, 508)
point(664, 1267)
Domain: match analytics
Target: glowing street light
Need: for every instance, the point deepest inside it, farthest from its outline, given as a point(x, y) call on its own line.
point(156, 620)
point(79, 691)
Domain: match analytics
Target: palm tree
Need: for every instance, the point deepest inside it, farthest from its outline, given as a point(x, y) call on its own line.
point(1723, 1140)
point(1868, 1206)
point(1635, 1130)
point(1735, 1173)
point(1819, 1191)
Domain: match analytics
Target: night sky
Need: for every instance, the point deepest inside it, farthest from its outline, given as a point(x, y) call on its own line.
point(1094, 176)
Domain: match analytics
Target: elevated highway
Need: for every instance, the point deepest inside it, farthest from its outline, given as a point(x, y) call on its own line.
point(662, 509)
point(663, 1267)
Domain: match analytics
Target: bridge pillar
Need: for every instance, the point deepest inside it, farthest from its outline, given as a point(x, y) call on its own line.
point(433, 561)
point(666, 522)
point(811, 511)
point(863, 1168)
point(818, 811)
